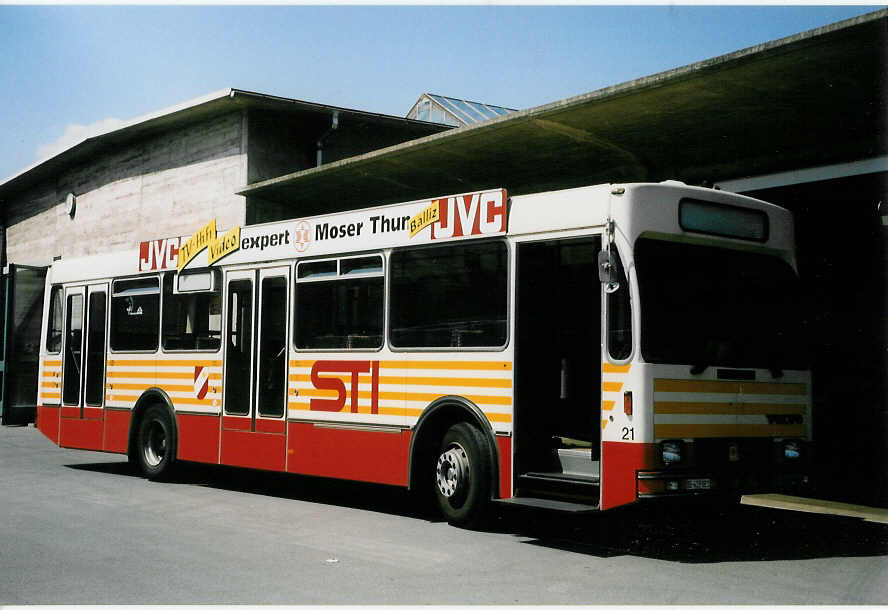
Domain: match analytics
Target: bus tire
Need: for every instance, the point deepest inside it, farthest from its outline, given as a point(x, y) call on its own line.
point(462, 476)
point(155, 446)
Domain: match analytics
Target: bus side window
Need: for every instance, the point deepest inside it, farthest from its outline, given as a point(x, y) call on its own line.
point(135, 314)
point(56, 319)
point(452, 296)
point(619, 318)
point(339, 303)
point(191, 321)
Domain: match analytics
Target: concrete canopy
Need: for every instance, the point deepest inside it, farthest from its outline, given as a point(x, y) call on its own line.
point(816, 98)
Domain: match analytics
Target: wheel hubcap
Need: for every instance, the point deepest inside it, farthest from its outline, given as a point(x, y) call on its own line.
point(155, 444)
point(452, 472)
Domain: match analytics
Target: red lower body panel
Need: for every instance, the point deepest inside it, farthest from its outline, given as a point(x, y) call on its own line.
point(117, 430)
point(360, 455)
point(254, 449)
point(619, 464)
point(198, 438)
point(48, 422)
point(81, 433)
point(504, 446)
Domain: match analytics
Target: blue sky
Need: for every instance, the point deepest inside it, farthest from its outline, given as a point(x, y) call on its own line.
point(66, 70)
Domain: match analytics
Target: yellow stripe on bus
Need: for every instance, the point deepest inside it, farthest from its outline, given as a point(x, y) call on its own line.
point(607, 367)
point(729, 387)
point(725, 430)
point(612, 386)
point(164, 363)
point(399, 411)
point(456, 365)
point(51, 394)
point(157, 375)
point(477, 382)
point(144, 386)
point(722, 408)
point(206, 402)
point(608, 405)
point(408, 396)
point(362, 409)
point(49, 384)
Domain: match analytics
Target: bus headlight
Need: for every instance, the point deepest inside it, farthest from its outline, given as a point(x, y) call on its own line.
point(671, 451)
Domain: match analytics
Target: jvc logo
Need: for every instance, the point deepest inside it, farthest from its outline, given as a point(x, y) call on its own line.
point(476, 214)
point(158, 254)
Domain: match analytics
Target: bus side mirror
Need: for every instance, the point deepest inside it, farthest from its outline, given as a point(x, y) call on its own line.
point(607, 272)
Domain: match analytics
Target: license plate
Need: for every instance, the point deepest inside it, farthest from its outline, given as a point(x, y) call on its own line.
point(698, 484)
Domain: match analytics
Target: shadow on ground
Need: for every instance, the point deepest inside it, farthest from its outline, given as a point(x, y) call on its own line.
point(688, 533)
point(705, 534)
point(351, 494)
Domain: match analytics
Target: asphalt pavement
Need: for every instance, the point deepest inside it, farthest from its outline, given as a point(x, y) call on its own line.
point(81, 528)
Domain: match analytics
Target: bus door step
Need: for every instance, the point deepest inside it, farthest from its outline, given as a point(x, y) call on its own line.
point(562, 477)
point(549, 504)
point(559, 486)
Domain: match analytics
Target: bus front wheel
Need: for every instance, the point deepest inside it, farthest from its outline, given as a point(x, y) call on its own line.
point(462, 476)
point(155, 449)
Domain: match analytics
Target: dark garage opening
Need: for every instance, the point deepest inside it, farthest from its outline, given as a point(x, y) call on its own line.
point(843, 262)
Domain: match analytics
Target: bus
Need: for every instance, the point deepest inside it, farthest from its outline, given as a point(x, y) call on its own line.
point(574, 350)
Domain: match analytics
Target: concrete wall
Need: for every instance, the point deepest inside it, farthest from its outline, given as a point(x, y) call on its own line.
point(166, 184)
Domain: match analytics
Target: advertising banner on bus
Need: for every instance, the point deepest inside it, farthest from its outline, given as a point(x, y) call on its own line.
point(466, 216)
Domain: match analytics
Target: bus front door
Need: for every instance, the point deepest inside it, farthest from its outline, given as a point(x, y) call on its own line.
point(254, 426)
point(83, 367)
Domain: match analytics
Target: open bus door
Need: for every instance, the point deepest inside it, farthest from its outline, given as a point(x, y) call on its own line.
point(21, 301)
point(558, 364)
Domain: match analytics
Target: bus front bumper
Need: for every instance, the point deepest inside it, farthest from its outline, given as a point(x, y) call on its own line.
point(660, 483)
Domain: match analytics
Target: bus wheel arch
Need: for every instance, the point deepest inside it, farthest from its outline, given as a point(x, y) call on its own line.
point(452, 418)
point(153, 435)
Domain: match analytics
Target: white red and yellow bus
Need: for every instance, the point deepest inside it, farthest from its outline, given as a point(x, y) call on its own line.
point(579, 349)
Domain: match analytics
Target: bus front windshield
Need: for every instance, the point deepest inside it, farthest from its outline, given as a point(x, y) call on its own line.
point(709, 306)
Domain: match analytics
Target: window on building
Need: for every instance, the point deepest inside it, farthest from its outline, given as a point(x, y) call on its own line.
point(135, 314)
point(451, 296)
point(339, 303)
point(423, 114)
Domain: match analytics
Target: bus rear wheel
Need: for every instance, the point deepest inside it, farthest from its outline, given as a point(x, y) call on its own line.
point(462, 476)
point(155, 446)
